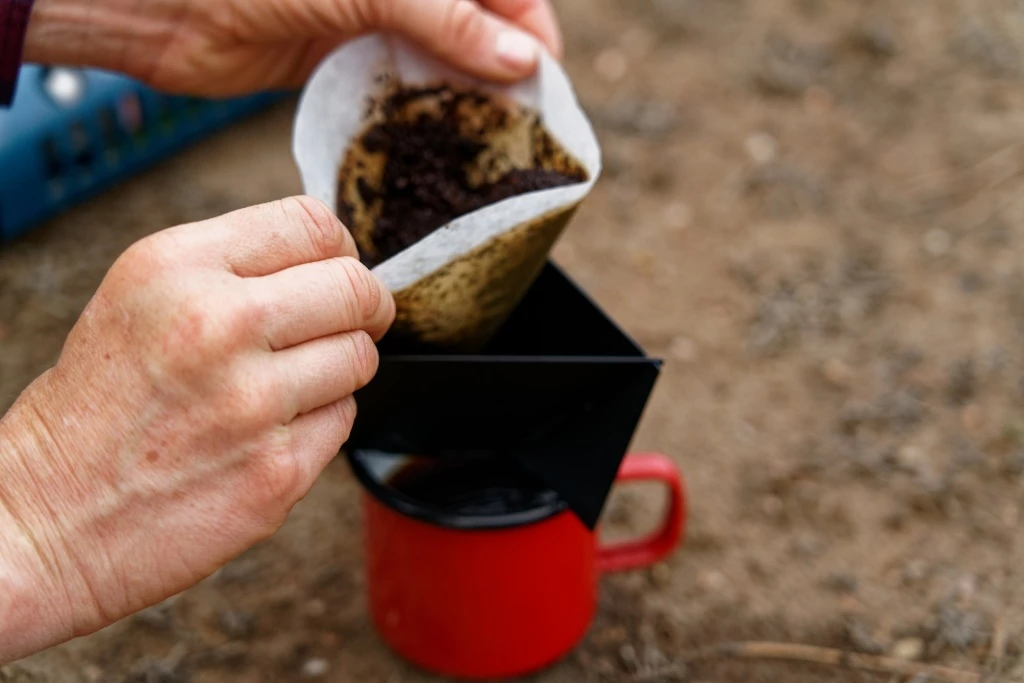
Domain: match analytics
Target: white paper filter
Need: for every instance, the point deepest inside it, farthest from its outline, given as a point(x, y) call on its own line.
point(454, 287)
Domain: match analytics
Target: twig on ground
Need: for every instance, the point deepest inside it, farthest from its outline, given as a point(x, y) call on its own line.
point(830, 657)
point(956, 174)
point(998, 649)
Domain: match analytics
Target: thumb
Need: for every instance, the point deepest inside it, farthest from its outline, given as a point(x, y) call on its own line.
point(465, 35)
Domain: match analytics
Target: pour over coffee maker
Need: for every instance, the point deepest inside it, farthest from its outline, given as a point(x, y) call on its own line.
point(484, 477)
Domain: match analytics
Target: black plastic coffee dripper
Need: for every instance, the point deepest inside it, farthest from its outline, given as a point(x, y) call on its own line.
point(560, 388)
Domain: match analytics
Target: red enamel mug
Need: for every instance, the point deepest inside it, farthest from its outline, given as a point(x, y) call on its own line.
point(484, 596)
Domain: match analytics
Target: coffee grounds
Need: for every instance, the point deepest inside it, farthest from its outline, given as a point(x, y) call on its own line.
point(424, 183)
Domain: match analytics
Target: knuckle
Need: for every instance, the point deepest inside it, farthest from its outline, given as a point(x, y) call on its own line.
point(322, 227)
point(194, 339)
point(276, 479)
point(364, 286)
point(243, 408)
point(363, 356)
point(250, 313)
point(254, 407)
point(198, 327)
point(464, 22)
point(142, 260)
point(345, 416)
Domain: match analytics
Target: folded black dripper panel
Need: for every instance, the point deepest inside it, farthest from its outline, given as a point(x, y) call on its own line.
point(560, 387)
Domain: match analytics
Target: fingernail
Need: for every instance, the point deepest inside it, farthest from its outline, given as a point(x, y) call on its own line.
point(516, 49)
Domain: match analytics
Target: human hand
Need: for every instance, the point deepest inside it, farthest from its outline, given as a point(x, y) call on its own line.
point(228, 47)
point(207, 384)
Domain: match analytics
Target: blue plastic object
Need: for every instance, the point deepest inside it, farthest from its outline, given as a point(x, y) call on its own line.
point(71, 134)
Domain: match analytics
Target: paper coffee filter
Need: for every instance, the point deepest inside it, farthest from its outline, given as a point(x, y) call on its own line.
point(454, 287)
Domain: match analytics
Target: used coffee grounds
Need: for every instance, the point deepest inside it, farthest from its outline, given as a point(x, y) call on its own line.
point(432, 141)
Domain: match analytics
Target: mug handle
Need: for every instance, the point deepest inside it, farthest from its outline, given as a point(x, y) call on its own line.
point(650, 549)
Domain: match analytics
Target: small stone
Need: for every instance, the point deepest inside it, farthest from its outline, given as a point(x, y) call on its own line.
point(660, 179)
point(627, 655)
point(937, 242)
point(613, 635)
point(711, 581)
point(605, 668)
point(772, 506)
point(315, 667)
point(972, 418)
point(637, 41)
point(837, 373)
point(912, 459)
point(862, 638)
point(583, 659)
point(92, 673)
point(757, 569)
point(962, 383)
point(914, 571)
point(661, 574)
point(807, 545)
point(762, 148)
point(158, 617)
point(657, 119)
point(654, 659)
point(146, 670)
point(315, 608)
point(611, 65)
point(818, 100)
point(1013, 465)
point(677, 216)
point(237, 624)
point(848, 604)
point(971, 283)
point(965, 589)
point(683, 349)
point(840, 582)
point(228, 654)
point(897, 518)
point(908, 648)
point(960, 628)
point(877, 38)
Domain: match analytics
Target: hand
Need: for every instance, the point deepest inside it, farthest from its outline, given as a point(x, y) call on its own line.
point(228, 47)
point(207, 384)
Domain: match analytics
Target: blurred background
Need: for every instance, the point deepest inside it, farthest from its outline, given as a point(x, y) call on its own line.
point(812, 209)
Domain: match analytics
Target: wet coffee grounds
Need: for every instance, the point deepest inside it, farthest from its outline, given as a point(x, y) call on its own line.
point(424, 183)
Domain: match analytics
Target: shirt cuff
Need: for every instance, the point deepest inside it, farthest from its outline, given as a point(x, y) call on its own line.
point(13, 26)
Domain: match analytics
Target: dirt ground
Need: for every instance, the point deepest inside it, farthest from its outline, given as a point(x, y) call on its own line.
point(813, 210)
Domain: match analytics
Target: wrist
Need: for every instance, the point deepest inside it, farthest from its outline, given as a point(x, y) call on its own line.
point(119, 35)
point(34, 609)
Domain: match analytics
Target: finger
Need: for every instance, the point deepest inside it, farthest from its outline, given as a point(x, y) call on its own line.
point(314, 300)
point(319, 435)
point(267, 238)
point(325, 370)
point(536, 16)
point(464, 34)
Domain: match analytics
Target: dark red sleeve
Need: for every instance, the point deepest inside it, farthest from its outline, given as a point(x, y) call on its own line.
point(13, 24)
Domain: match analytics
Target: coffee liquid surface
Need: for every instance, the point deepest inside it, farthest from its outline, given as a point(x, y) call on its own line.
point(472, 487)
